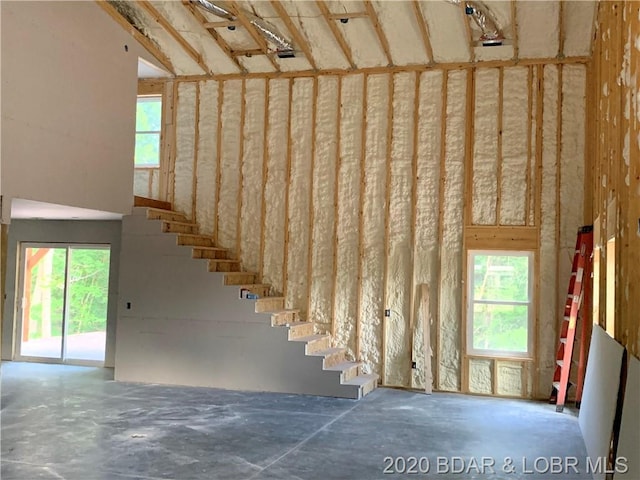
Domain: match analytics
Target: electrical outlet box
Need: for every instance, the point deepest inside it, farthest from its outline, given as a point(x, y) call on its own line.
point(413, 365)
point(387, 312)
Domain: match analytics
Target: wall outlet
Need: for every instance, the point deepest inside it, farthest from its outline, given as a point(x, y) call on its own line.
point(387, 312)
point(413, 365)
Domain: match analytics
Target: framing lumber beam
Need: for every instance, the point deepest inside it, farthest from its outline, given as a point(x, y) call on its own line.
point(220, 24)
point(222, 43)
point(265, 171)
point(384, 42)
point(561, 30)
point(186, 46)
point(424, 30)
point(336, 197)
point(348, 15)
point(346, 50)
point(297, 36)
point(147, 43)
point(514, 29)
point(259, 39)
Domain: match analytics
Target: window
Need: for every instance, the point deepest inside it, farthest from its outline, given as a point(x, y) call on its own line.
point(148, 121)
point(500, 313)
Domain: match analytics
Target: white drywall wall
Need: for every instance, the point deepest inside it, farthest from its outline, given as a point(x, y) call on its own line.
point(67, 136)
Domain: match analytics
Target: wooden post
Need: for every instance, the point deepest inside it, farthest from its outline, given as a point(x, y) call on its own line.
point(265, 172)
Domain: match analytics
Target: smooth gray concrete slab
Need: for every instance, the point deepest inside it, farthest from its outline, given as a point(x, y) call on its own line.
point(76, 423)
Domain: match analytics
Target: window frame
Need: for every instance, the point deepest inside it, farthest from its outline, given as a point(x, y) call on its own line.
point(530, 304)
point(150, 97)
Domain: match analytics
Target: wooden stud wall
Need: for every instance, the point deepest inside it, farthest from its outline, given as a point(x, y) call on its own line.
point(614, 159)
point(459, 101)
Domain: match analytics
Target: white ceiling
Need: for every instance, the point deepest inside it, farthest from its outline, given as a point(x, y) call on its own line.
point(30, 209)
point(148, 70)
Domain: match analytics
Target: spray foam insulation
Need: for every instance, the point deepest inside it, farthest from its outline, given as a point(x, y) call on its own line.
point(481, 376)
point(398, 288)
point(185, 148)
point(510, 382)
point(549, 286)
point(513, 203)
point(425, 258)
point(538, 32)
point(365, 46)
point(312, 26)
point(450, 298)
point(252, 162)
point(276, 179)
point(320, 301)
point(485, 147)
point(578, 24)
point(400, 24)
point(207, 161)
point(348, 206)
point(373, 249)
point(571, 166)
point(445, 21)
point(230, 165)
point(196, 35)
point(141, 182)
point(182, 64)
point(299, 193)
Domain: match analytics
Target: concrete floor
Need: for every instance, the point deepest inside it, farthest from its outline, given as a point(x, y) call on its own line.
point(62, 422)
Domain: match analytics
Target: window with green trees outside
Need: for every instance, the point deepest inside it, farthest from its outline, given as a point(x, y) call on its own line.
point(500, 312)
point(148, 123)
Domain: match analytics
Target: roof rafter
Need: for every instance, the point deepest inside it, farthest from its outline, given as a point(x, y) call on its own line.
point(187, 47)
point(424, 30)
point(222, 43)
point(297, 36)
point(147, 43)
point(468, 32)
point(324, 10)
point(384, 42)
point(259, 39)
point(514, 29)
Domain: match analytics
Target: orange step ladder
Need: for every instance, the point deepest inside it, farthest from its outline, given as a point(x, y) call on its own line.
point(578, 296)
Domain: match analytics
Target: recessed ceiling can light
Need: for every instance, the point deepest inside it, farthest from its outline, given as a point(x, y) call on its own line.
point(231, 27)
point(344, 20)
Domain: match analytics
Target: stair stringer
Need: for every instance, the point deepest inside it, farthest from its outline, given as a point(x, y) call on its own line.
point(179, 324)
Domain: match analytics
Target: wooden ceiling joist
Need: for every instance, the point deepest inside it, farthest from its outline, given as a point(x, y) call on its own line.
point(348, 15)
point(259, 39)
point(514, 29)
point(149, 45)
point(222, 43)
point(220, 24)
point(424, 31)
point(187, 47)
point(384, 42)
point(324, 10)
point(298, 38)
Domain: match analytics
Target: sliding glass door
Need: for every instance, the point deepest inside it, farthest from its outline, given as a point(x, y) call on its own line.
point(63, 312)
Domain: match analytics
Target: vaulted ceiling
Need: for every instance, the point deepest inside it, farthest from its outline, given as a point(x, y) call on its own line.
point(341, 35)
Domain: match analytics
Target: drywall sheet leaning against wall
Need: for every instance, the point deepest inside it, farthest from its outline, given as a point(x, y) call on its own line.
point(450, 295)
point(600, 394)
point(324, 189)
point(348, 220)
point(485, 147)
point(276, 158)
point(629, 439)
point(185, 148)
point(425, 254)
point(513, 178)
point(399, 248)
point(252, 162)
point(230, 163)
point(548, 311)
point(207, 157)
point(373, 222)
point(302, 102)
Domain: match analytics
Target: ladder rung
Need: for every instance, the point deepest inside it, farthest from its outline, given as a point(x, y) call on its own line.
point(556, 385)
point(563, 340)
point(560, 363)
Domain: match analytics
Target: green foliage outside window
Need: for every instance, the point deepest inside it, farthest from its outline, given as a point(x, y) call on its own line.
point(148, 121)
point(501, 303)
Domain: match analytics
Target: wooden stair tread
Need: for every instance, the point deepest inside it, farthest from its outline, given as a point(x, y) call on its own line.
point(139, 201)
point(179, 222)
point(342, 366)
point(309, 338)
point(198, 235)
point(294, 324)
point(328, 351)
point(361, 379)
point(198, 247)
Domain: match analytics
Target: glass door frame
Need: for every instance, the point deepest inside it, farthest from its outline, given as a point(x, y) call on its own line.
point(19, 310)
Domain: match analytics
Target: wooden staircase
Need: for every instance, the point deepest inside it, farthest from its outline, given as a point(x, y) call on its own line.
point(352, 382)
